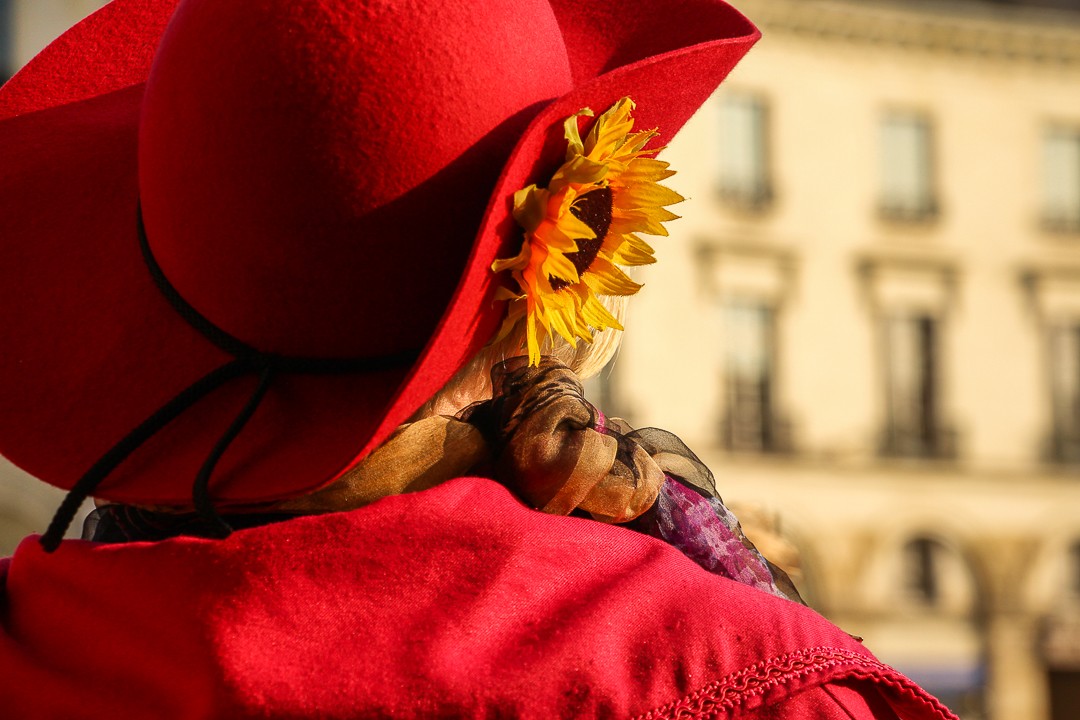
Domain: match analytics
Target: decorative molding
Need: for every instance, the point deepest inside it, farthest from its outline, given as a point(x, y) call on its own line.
point(1052, 291)
point(741, 269)
point(976, 30)
point(908, 281)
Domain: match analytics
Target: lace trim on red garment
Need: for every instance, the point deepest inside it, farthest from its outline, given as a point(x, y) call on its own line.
point(722, 696)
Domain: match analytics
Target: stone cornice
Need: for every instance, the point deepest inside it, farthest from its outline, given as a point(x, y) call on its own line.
point(957, 28)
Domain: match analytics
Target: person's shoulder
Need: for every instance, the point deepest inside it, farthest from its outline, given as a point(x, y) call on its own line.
point(456, 601)
point(712, 646)
point(717, 647)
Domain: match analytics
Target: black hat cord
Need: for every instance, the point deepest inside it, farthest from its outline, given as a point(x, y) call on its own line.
point(246, 361)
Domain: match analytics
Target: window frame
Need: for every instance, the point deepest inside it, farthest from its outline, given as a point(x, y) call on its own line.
point(764, 429)
point(1062, 336)
point(922, 433)
point(920, 202)
point(1066, 218)
point(746, 184)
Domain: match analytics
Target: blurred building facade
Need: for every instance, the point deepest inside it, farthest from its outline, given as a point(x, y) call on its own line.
point(868, 325)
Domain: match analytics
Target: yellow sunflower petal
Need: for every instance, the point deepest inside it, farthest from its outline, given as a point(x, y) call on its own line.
point(561, 315)
point(634, 251)
point(606, 278)
point(575, 228)
point(517, 262)
point(505, 293)
point(516, 310)
point(663, 215)
point(635, 143)
point(557, 265)
point(579, 171)
point(622, 225)
point(597, 315)
point(573, 134)
point(531, 340)
point(642, 170)
point(610, 129)
point(549, 238)
point(646, 221)
point(557, 299)
point(530, 206)
point(648, 195)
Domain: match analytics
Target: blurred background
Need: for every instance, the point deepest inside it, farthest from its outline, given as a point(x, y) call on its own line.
point(868, 324)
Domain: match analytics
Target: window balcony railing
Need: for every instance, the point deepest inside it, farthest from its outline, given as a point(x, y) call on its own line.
point(756, 433)
point(916, 442)
point(911, 213)
point(746, 197)
point(1062, 448)
point(1060, 223)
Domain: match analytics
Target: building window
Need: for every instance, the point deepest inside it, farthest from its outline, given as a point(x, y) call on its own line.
point(921, 561)
point(912, 384)
point(750, 421)
point(907, 172)
point(1064, 367)
point(7, 40)
point(1061, 179)
point(744, 157)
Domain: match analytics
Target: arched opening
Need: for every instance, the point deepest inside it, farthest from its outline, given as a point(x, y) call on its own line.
point(934, 628)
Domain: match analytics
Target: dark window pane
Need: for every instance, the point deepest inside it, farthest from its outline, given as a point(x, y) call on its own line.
point(913, 426)
point(1063, 340)
point(750, 420)
point(921, 560)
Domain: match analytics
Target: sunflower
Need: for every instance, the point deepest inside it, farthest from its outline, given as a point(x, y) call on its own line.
point(582, 227)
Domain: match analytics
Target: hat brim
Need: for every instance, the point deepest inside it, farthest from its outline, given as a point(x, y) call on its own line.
point(92, 348)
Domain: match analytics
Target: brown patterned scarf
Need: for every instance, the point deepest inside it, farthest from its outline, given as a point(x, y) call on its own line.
point(538, 436)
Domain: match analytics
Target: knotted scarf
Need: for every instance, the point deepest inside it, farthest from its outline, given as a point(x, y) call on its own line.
point(542, 439)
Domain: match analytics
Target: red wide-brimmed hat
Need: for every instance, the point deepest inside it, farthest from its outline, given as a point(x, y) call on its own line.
point(284, 213)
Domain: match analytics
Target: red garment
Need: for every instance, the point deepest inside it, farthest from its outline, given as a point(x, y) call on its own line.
point(457, 601)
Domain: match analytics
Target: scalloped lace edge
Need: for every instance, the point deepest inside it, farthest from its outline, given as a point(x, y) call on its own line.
point(724, 695)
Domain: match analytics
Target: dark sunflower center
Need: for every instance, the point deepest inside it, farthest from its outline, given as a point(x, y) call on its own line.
point(593, 209)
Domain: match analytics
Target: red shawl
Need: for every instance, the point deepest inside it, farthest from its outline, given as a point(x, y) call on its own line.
point(456, 601)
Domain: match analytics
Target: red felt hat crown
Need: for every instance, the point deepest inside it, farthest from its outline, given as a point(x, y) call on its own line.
point(319, 180)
